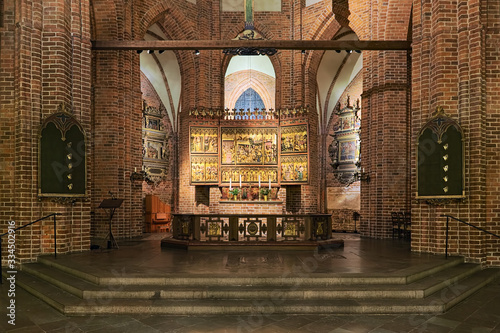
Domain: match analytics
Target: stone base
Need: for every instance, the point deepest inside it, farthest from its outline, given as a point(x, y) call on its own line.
point(170, 242)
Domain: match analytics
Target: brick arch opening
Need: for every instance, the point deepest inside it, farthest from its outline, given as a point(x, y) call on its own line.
point(169, 15)
point(238, 82)
point(266, 33)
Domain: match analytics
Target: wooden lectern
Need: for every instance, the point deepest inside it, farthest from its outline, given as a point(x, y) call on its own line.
point(112, 205)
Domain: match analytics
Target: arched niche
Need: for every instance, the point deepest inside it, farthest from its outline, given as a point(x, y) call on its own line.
point(440, 159)
point(62, 157)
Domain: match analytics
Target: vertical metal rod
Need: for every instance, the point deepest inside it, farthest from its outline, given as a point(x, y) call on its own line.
point(447, 221)
point(55, 238)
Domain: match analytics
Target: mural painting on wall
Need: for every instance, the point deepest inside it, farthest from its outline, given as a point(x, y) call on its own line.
point(255, 146)
point(204, 140)
point(204, 169)
point(294, 169)
point(294, 139)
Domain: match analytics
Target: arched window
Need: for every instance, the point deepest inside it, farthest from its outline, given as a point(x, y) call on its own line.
point(249, 99)
point(252, 79)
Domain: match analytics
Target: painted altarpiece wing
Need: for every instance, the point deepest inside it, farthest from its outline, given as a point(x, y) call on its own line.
point(204, 148)
point(204, 140)
point(294, 169)
point(294, 139)
point(204, 169)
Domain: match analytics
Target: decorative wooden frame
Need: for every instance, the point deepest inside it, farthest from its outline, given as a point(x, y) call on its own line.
point(294, 148)
point(348, 150)
point(204, 152)
point(440, 159)
point(258, 140)
point(62, 158)
point(295, 169)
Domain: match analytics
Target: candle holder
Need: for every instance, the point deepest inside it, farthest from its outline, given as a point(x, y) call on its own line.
point(235, 192)
point(264, 192)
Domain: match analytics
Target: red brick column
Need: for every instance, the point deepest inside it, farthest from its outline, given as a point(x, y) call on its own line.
point(45, 64)
point(385, 104)
point(456, 48)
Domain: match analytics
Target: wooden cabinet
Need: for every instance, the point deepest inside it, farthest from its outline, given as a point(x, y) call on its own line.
point(158, 214)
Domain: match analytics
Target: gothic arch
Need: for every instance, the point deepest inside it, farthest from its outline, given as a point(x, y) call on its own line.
point(243, 84)
point(275, 59)
point(103, 27)
point(181, 26)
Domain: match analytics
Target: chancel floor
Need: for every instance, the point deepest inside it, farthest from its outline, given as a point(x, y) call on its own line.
point(145, 257)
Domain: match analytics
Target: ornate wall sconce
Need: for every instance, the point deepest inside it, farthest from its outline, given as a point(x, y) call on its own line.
point(362, 176)
point(141, 175)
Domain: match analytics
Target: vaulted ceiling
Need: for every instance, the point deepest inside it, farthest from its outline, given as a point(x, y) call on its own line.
point(336, 69)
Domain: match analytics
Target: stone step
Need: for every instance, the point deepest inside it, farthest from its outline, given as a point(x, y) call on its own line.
point(308, 288)
point(439, 302)
point(292, 279)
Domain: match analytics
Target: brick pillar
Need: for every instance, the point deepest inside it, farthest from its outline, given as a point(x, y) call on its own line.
point(45, 63)
point(384, 151)
point(457, 54)
point(117, 141)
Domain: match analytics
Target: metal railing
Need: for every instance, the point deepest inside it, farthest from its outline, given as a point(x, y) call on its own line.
point(251, 227)
point(12, 231)
point(448, 217)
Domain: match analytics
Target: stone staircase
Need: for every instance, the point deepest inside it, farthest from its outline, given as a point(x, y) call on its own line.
point(431, 288)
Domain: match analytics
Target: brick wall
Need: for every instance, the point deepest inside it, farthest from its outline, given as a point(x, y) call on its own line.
point(385, 124)
point(45, 63)
point(456, 66)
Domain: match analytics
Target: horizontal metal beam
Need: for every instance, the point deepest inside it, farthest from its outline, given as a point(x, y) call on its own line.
point(232, 44)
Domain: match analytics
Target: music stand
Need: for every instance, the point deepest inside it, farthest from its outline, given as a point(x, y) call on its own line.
point(112, 205)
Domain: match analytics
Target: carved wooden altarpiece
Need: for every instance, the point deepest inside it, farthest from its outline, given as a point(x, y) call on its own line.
point(249, 149)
